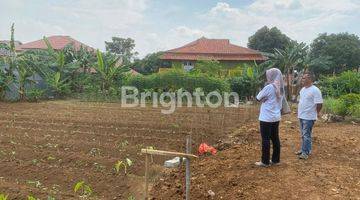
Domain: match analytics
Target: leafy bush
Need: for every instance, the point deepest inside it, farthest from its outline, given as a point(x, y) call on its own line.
point(335, 106)
point(33, 95)
point(346, 82)
point(354, 110)
point(173, 80)
point(352, 104)
point(248, 84)
point(350, 99)
point(348, 104)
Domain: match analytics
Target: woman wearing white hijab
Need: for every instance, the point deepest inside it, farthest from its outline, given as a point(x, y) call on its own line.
point(271, 97)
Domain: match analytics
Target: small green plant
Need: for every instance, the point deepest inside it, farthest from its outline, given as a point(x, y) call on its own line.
point(123, 144)
point(32, 198)
point(83, 188)
point(123, 165)
point(3, 197)
point(34, 95)
point(131, 197)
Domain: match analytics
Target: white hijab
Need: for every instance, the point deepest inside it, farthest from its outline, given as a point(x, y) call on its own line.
point(274, 77)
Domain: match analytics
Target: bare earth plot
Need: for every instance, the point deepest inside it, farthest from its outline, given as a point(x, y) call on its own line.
point(45, 148)
point(332, 172)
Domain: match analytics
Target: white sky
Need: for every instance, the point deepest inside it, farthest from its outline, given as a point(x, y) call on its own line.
point(163, 24)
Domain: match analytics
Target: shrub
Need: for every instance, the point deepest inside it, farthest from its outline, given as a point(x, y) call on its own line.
point(346, 82)
point(350, 99)
point(35, 94)
point(354, 110)
point(348, 104)
point(243, 86)
point(335, 106)
point(173, 80)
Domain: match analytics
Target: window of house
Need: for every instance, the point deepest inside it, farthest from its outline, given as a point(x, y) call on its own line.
point(188, 65)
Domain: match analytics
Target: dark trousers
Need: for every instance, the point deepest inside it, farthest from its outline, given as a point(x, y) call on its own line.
point(270, 131)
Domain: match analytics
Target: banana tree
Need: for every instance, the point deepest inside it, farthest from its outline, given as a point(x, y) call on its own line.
point(8, 63)
point(25, 72)
point(109, 69)
point(287, 60)
point(58, 85)
point(4, 84)
point(60, 74)
point(253, 73)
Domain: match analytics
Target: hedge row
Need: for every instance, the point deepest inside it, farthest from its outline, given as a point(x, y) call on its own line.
point(172, 80)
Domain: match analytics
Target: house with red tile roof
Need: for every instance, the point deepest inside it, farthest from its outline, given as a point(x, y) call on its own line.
point(222, 50)
point(58, 42)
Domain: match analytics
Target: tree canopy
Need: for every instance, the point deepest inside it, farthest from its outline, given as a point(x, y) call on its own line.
point(266, 40)
point(342, 49)
point(149, 64)
point(124, 47)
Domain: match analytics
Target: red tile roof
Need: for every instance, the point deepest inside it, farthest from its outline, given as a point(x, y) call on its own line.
point(58, 42)
point(216, 49)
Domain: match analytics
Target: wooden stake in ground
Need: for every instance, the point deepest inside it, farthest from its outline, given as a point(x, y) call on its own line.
point(188, 151)
point(146, 176)
point(149, 152)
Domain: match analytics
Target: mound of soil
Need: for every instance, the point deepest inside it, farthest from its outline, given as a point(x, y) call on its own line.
point(331, 172)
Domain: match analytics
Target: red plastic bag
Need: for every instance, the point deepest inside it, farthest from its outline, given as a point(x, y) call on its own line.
point(206, 149)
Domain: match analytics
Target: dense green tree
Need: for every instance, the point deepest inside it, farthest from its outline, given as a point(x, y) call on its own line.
point(212, 68)
point(123, 47)
point(150, 64)
point(343, 50)
point(266, 40)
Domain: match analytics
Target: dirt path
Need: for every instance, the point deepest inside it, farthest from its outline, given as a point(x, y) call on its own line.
point(332, 172)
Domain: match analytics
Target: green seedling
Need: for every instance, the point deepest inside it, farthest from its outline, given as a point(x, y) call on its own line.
point(131, 197)
point(123, 144)
point(32, 198)
point(84, 188)
point(123, 165)
point(3, 197)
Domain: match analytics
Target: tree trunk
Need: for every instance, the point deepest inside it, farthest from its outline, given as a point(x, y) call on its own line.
point(288, 84)
point(21, 92)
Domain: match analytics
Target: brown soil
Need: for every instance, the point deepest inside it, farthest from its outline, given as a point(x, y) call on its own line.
point(332, 171)
point(46, 148)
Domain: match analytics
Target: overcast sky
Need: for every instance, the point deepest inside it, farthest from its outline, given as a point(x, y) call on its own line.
point(164, 24)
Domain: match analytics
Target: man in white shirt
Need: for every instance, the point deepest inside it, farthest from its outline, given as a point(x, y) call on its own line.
point(310, 104)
